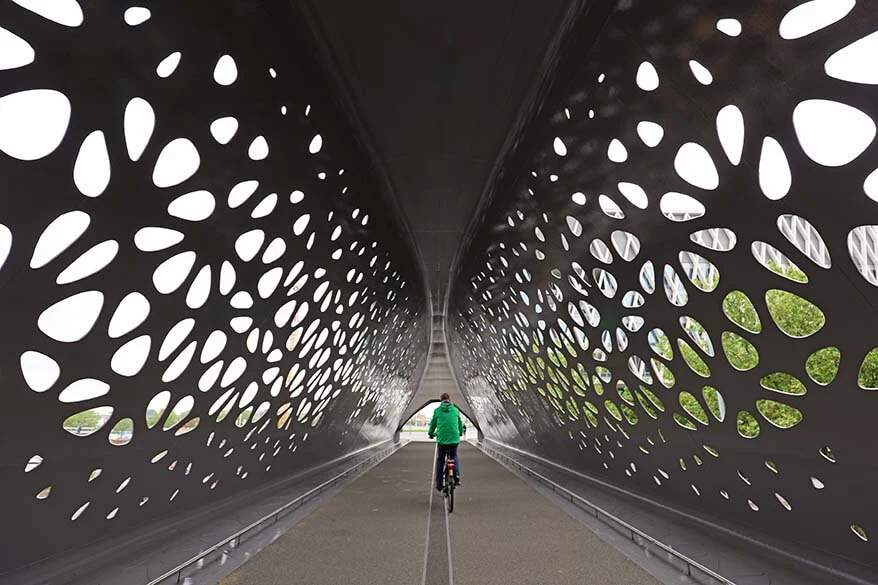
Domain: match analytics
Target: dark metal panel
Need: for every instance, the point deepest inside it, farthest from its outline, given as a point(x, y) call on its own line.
point(518, 328)
point(324, 383)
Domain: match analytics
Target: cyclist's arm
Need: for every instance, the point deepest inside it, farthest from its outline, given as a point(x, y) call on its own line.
point(432, 430)
point(461, 426)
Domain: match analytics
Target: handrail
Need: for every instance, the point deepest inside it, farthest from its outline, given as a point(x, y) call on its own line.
point(297, 502)
point(600, 512)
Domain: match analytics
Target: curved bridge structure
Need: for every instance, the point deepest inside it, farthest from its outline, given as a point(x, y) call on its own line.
point(241, 242)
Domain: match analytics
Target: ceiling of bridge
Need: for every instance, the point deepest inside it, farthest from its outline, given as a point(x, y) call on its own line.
point(438, 86)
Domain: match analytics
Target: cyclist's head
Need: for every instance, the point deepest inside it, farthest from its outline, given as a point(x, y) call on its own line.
point(445, 396)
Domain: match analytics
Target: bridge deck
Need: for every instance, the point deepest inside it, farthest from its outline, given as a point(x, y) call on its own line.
point(385, 528)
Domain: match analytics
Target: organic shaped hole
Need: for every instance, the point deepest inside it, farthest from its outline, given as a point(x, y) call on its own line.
point(700, 271)
point(269, 281)
point(14, 51)
point(627, 245)
point(783, 502)
point(831, 133)
point(266, 206)
point(680, 207)
point(131, 357)
point(778, 414)
point(131, 312)
point(617, 152)
point(5, 244)
point(674, 289)
point(91, 171)
point(199, 290)
point(692, 359)
point(188, 427)
point(853, 63)
point(258, 149)
point(170, 274)
point(88, 422)
point(153, 239)
point(861, 534)
point(827, 454)
point(58, 236)
point(740, 311)
point(684, 422)
point(805, 237)
point(776, 261)
point(64, 12)
point(700, 72)
point(717, 239)
point(156, 408)
point(316, 144)
point(610, 208)
point(664, 374)
point(775, 178)
point(740, 352)
point(122, 432)
point(168, 65)
point(650, 133)
point(234, 371)
point(274, 251)
point(862, 248)
point(634, 194)
point(638, 368)
point(579, 199)
point(605, 281)
point(698, 334)
point(695, 166)
point(243, 417)
point(748, 426)
point(574, 226)
point(647, 77)
point(180, 411)
point(783, 383)
point(226, 71)
point(691, 405)
point(32, 463)
point(822, 365)
point(296, 197)
point(224, 129)
point(85, 389)
point(647, 277)
point(613, 410)
point(82, 508)
point(71, 319)
point(809, 17)
point(730, 129)
point(559, 147)
point(715, 402)
point(633, 323)
point(158, 456)
point(660, 344)
point(34, 122)
point(180, 363)
point(91, 262)
point(227, 278)
point(39, 370)
point(632, 300)
point(601, 251)
point(301, 224)
point(139, 125)
point(729, 26)
point(136, 15)
point(794, 315)
point(194, 206)
point(868, 376)
point(177, 162)
point(818, 485)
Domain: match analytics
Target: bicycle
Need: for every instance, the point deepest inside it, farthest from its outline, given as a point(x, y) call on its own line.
point(448, 481)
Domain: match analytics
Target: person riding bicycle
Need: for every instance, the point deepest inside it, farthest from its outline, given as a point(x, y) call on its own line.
point(447, 426)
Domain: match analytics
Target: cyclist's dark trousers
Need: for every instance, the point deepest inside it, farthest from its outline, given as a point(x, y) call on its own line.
point(441, 450)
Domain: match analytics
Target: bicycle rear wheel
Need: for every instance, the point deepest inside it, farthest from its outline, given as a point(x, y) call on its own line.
point(449, 493)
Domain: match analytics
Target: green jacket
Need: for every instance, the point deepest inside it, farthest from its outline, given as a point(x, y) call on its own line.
point(446, 424)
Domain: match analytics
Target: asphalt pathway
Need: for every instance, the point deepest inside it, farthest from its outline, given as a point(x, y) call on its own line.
point(390, 527)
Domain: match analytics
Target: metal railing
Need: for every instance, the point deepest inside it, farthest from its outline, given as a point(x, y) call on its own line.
point(278, 513)
point(674, 557)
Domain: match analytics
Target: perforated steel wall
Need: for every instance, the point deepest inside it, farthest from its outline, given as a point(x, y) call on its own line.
point(674, 286)
point(203, 288)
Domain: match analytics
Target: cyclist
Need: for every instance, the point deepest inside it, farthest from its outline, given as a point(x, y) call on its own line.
point(447, 426)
